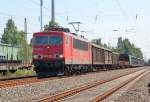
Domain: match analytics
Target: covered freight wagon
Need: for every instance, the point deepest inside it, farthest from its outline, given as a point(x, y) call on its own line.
point(11, 52)
point(11, 58)
point(135, 62)
point(101, 57)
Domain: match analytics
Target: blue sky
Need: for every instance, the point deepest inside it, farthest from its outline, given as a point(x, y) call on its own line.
point(111, 15)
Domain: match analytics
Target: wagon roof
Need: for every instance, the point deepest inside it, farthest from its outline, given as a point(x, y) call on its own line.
point(100, 47)
point(116, 53)
point(136, 57)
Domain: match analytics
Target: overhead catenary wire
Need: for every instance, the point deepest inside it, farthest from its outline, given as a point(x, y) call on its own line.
point(123, 12)
point(5, 14)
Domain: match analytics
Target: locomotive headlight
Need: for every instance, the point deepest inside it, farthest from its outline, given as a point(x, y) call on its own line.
point(35, 56)
point(59, 56)
point(38, 56)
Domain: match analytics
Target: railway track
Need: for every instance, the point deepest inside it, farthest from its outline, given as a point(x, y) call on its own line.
point(79, 89)
point(22, 80)
point(17, 77)
point(117, 87)
point(14, 81)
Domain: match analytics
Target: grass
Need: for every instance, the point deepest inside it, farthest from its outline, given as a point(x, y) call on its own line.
point(19, 72)
point(24, 72)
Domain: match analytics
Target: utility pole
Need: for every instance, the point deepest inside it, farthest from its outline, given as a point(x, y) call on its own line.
point(41, 9)
point(53, 11)
point(25, 42)
point(25, 27)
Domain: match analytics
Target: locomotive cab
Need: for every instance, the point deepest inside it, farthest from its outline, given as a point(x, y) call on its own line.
point(48, 52)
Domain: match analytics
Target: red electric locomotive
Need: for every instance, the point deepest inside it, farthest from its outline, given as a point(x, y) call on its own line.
point(58, 51)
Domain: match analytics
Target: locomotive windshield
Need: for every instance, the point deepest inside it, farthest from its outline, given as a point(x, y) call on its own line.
point(53, 39)
point(41, 40)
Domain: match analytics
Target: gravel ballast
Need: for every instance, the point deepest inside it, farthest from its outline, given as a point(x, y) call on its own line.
point(133, 92)
point(35, 91)
point(88, 95)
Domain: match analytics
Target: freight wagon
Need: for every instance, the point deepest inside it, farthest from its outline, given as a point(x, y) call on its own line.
point(10, 58)
point(126, 60)
point(101, 57)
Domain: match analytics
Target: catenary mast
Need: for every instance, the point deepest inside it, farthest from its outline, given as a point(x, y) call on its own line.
point(53, 11)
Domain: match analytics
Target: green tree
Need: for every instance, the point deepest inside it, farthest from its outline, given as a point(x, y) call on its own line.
point(126, 47)
point(11, 35)
point(51, 24)
point(25, 52)
point(97, 41)
point(105, 45)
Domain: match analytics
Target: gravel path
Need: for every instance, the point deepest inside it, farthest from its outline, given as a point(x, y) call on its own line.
point(136, 91)
point(34, 91)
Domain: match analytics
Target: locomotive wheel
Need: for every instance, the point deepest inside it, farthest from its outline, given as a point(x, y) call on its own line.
point(66, 70)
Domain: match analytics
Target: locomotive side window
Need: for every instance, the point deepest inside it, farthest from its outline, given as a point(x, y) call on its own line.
point(78, 44)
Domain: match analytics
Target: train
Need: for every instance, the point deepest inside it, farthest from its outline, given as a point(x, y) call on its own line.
point(57, 51)
point(10, 59)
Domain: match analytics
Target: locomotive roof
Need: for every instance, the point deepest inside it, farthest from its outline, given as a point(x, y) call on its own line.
point(67, 30)
point(80, 37)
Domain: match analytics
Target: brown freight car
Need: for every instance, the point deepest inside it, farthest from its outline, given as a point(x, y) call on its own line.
point(101, 57)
